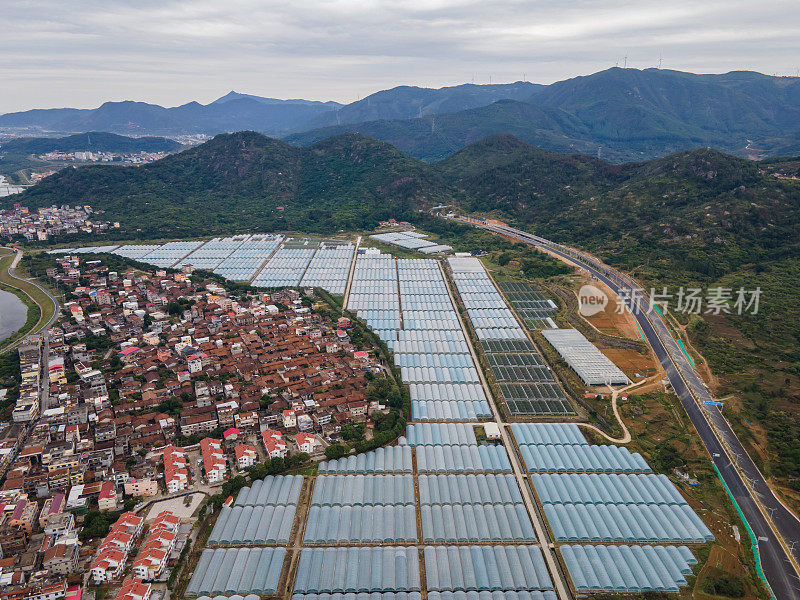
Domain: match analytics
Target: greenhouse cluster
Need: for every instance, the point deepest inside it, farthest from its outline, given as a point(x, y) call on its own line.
point(285, 268)
point(381, 569)
point(362, 524)
point(495, 595)
point(462, 459)
point(389, 459)
point(360, 596)
point(252, 525)
point(628, 569)
point(411, 240)
point(479, 568)
point(490, 316)
point(330, 267)
point(582, 459)
point(541, 451)
point(468, 489)
point(244, 262)
point(476, 523)
point(271, 491)
point(534, 309)
point(591, 365)
point(237, 571)
point(626, 523)
point(212, 253)
point(168, 254)
point(363, 490)
point(439, 434)
point(614, 507)
point(407, 303)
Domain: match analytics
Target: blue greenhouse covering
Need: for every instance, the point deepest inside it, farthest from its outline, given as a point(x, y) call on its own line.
point(547, 433)
point(479, 568)
point(387, 524)
point(450, 410)
point(257, 570)
point(476, 523)
point(627, 569)
point(365, 569)
point(332, 490)
point(440, 434)
point(469, 489)
point(581, 459)
point(253, 525)
point(270, 491)
point(389, 459)
point(462, 459)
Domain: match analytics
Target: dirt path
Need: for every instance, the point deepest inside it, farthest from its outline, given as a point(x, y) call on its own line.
point(626, 435)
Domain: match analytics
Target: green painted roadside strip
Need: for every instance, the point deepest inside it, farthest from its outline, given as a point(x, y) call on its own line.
point(753, 539)
point(641, 333)
point(685, 353)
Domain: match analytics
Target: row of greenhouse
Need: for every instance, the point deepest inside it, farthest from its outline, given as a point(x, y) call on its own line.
point(547, 433)
point(478, 568)
point(591, 365)
point(389, 459)
point(365, 569)
point(605, 488)
point(462, 459)
point(362, 524)
point(366, 490)
point(483, 488)
point(582, 459)
point(450, 410)
point(626, 523)
point(630, 569)
point(230, 571)
point(439, 434)
point(476, 523)
point(272, 490)
point(253, 525)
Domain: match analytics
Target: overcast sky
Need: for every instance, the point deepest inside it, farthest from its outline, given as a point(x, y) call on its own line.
point(85, 52)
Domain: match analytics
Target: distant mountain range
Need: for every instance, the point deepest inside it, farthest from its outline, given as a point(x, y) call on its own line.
point(618, 114)
point(91, 141)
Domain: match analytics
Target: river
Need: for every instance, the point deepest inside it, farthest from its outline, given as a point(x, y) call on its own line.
point(13, 314)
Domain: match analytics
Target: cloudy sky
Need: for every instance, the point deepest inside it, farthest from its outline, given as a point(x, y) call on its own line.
point(82, 53)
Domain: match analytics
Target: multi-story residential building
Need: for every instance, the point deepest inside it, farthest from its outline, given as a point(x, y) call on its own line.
point(214, 463)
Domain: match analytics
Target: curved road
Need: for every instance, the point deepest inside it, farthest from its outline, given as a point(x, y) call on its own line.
point(39, 327)
point(757, 502)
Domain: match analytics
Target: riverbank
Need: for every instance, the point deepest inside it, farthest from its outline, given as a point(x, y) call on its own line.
point(41, 307)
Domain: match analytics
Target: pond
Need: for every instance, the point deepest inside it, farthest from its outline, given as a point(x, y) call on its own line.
point(13, 314)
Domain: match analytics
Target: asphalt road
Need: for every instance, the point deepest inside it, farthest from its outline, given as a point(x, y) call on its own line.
point(778, 568)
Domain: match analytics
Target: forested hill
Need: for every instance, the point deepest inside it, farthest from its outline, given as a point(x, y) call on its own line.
point(92, 141)
point(248, 182)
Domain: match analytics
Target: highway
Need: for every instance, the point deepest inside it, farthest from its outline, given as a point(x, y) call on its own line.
point(757, 502)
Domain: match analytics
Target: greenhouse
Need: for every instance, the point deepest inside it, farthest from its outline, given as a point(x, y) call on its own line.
point(389, 459)
point(440, 434)
point(330, 268)
point(446, 391)
point(247, 259)
point(363, 490)
point(580, 488)
point(252, 525)
point(591, 365)
point(330, 570)
point(212, 253)
point(468, 489)
point(168, 254)
point(272, 490)
point(462, 459)
point(360, 596)
point(450, 410)
point(237, 571)
point(380, 524)
point(285, 268)
point(476, 523)
point(626, 523)
point(496, 595)
point(479, 568)
point(628, 569)
point(547, 433)
point(581, 459)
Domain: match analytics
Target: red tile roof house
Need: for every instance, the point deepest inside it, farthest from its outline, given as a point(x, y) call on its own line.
point(274, 444)
point(114, 549)
point(176, 475)
point(245, 456)
point(134, 589)
point(305, 443)
point(108, 496)
point(154, 553)
point(214, 462)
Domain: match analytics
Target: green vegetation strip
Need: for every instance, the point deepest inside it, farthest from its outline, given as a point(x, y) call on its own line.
point(685, 353)
point(753, 539)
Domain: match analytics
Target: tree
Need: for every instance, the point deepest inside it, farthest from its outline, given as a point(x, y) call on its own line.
point(335, 451)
